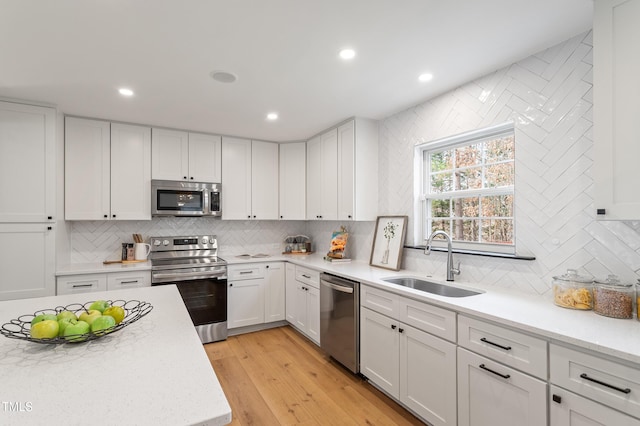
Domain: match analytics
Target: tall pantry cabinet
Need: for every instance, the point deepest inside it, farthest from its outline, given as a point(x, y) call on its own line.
point(27, 200)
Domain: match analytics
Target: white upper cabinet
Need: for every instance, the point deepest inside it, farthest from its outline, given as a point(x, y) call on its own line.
point(342, 172)
point(358, 170)
point(249, 179)
point(27, 156)
point(322, 179)
point(107, 170)
point(178, 155)
point(130, 172)
point(293, 181)
point(616, 108)
point(264, 180)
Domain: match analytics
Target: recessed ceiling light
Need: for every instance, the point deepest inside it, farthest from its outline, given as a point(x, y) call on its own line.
point(347, 54)
point(272, 116)
point(223, 76)
point(125, 92)
point(425, 77)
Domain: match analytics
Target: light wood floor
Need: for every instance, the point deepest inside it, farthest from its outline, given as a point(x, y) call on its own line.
point(278, 377)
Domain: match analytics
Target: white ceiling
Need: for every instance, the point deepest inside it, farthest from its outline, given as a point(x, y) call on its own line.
point(77, 53)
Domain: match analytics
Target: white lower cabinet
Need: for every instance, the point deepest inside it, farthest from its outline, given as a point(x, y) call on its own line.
point(303, 301)
point(490, 393)
point(124, 280)
point(414, 367)
point(290, 293)
point(568, 409)
point(256, 294)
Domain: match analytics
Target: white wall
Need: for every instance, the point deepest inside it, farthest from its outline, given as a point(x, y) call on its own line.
point(549, 98)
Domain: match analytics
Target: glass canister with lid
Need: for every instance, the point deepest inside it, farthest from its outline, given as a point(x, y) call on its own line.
point(613, 298)
point(573, 291)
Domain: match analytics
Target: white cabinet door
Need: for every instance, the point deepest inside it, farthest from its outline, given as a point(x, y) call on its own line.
point(236, 178)
point(83, 283)
point(322, 179)
point(489, 394)
point(293, 181)
point(124, 280)
point(569, 409)
point(87, 167)
point(428, 376)
point(313, 313)
point(291, 308)
point(245, 302)
point(27, 260)
point(170, 156)
point(205, 158)
point(346, 171)
point(130, 172)
point(616, 108)
point(264, 180)
point(274, 308)
point(300, 310)
point(27, 163)
point(379, 351)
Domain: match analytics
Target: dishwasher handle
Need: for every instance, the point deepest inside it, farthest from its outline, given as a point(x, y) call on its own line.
point(337, 283)
point(337, 287)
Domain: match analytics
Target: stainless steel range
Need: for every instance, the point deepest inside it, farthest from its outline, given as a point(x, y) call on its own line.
point(193, 265)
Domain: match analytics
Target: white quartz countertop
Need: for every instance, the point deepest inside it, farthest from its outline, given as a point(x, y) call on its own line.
point(101, 268)
point(152, 372)
point(531, 313)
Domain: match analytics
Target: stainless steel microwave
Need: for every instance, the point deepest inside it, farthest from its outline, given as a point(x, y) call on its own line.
point(192, 199)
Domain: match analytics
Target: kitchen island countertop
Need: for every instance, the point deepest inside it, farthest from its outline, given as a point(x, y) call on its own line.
point(154, 371)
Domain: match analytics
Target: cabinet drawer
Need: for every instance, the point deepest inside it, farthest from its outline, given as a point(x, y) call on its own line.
point(308, 276)
point(515, 349)
point(437, 321)
point(85, 283)
point(380, 301)
point(246, 272)
point(608, 382)
point(123, 280)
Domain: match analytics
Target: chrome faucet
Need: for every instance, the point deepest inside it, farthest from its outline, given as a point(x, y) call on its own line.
point(451, 271)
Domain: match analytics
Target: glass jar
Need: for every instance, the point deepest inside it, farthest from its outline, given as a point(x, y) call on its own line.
point(613, 298)
point(573, 291)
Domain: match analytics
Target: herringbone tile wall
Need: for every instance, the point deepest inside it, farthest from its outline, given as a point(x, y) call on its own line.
point(549, 97)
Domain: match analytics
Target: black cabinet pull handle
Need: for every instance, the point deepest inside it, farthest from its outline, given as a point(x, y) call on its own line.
point(504, 376)
point(591, 379)
point(230, 284)
point(106, 216)
point(49, 228)
point(401, 330)
point(114, 215)
point(191, 177)
point(506, 348)
point(557, 398)
point(393, 326)
point(49, 217)
point(184, 177)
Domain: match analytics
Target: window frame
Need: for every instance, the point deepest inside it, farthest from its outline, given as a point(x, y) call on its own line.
point(422, 189)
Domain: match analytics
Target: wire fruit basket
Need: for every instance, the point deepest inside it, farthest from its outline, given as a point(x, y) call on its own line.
point(20, 328)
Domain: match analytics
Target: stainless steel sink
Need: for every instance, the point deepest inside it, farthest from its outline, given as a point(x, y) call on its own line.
point(431, 287)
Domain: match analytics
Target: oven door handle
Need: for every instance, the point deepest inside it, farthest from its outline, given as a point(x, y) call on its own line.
point(199, 274)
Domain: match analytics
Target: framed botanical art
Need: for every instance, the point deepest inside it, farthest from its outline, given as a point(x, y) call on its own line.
point(388, 241)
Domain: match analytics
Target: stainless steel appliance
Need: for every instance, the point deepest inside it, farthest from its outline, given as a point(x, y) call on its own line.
point(178, 198)
point(193, 265)
point(340, 320)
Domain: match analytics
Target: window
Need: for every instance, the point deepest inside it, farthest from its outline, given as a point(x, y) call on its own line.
point(466, 189)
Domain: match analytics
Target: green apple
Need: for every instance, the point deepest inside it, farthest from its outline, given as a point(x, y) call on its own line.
point(117, 312)
point(75, 332)
point(66, 315)
point(101, 324)
point(99, 305)
point(47, 329)
point(43, 317)
point(89, 316)
point(63, 323)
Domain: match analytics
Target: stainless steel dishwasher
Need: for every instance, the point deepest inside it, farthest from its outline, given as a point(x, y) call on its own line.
point(340, 320)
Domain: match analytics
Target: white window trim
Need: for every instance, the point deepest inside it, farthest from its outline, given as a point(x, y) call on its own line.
point(479, 135)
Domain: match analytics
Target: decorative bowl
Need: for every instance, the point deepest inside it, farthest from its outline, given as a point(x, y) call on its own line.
point(19, 328)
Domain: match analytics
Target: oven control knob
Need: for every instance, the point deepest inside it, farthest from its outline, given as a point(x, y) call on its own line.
point(205, 240)
point(165, 242)
point(157, 242)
